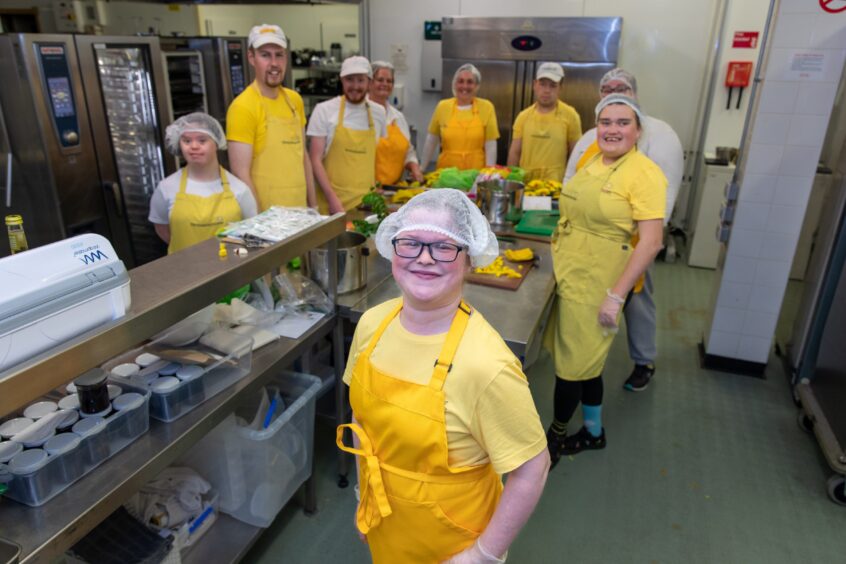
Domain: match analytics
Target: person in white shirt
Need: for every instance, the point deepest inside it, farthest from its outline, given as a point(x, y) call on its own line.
point(395, 151)
point(660, 143)
point(343, 133)
point(190, 205)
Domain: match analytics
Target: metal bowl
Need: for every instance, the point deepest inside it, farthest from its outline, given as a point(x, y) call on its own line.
point(501, 201)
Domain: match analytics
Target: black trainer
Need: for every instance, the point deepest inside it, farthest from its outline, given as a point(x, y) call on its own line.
point(583, 440)
point(554, 443)
point(639, 378)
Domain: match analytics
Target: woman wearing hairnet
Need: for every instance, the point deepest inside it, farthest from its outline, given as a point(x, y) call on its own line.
point(617, 192)
point(465, 126)
point(441, 408)
point(190, 205)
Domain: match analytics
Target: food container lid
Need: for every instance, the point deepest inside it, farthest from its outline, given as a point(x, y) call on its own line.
point(98, 414)
point(89, 426)
point(190, 372)
point(69, 402)
point(71, 417)
point(126, 370)
point(146, 359)
point(170, 369)
point(28, 461)
point(9, 450)
point(165, 384)
point(114, 391)
point(129, 400)
point(71, 388)
point(14, 426)
point(92, 379)
point(40, 409)
point(61, 444)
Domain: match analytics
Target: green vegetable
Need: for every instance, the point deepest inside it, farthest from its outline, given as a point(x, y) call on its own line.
point(376, 203)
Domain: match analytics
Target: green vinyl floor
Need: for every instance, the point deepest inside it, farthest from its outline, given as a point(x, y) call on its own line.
point(702, 466)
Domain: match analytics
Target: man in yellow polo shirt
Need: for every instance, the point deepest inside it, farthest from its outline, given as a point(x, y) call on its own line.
point(545, 132)
point(265, 127)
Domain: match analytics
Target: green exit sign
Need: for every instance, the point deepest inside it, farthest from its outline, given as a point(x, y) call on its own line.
point(432, 31)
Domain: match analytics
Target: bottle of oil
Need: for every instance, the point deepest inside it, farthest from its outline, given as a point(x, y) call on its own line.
point(17, 237)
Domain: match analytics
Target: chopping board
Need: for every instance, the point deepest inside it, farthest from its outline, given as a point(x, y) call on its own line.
point(538, 222)
point(502, 282)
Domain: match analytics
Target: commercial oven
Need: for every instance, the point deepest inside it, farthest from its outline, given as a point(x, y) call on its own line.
point(507, 52)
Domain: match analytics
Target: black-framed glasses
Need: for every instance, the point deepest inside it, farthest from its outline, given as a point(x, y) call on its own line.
point(606, 90)
point(439, 251)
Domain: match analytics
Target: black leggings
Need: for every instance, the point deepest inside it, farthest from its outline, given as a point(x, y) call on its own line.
point(568, 395)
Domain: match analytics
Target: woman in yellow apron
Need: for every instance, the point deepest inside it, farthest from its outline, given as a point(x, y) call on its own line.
point(394, 153)
point(192, 204)
point(465, 126)
point(436, 424)
point(617, 192)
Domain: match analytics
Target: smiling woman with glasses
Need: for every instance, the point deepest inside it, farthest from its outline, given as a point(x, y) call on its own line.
point(441, 407)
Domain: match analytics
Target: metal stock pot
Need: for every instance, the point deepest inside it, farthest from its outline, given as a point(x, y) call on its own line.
point(352, 263)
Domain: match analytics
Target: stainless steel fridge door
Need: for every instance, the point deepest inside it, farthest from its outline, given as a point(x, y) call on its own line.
point(581, 88)
point(126, 94)
point(54, 181)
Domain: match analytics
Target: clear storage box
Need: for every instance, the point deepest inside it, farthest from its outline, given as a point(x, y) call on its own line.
point(61, 470)
point(257, 471)
point(228, 358)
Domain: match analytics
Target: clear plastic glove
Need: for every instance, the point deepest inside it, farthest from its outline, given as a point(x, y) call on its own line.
point(608, 312)
point(473, 555)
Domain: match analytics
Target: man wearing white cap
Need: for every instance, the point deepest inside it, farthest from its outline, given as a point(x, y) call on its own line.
point(343, 134)
point(265, 127)
point(545, 132)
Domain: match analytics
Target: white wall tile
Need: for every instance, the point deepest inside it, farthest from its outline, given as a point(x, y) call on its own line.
point(739, 269)
point(721, 343)
point(763, 159)
point(799, 161)
point(746, 243)
point(779, 246)
point(798, 6)
point(759, 324)
point(751, 215)
point(786, 219)
point(734, 295)
point(758, 188)
point(793, 30)
point(781, 60)
point(829, 31)
point(766, 299)
point(815, 98)
point(778, 97)
point(778, 64)
point(771, 273)
point(808, 131)
point(792, 190)
point(754, 349)
point(833, 64)
point(771, 129)
point(728, 320)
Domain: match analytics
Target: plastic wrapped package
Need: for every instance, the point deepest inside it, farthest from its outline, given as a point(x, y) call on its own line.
point(300, 293)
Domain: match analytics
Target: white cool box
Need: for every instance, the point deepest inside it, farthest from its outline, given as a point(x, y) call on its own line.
point(55, 292)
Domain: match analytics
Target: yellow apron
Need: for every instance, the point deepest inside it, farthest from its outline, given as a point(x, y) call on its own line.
point(194, 218)
point(414, 507)
point(544, 152)
point(463, 141)
point(390, 155)
point(589, 254)
point(350, 162)
point(278, 171)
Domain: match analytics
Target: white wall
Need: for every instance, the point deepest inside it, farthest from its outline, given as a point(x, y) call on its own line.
point(131, 18)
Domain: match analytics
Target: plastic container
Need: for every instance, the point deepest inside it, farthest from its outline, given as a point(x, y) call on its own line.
point(171, 402)
point(68, 461)
point(257, 471)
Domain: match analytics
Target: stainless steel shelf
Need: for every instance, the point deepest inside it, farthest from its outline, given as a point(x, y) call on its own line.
point(226, 542)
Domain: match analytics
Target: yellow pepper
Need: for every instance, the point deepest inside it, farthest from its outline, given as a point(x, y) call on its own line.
point(498, 269)
point(519, 255)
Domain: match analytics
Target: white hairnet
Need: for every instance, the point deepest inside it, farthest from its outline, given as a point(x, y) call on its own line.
point(621, 75)
point(477, 76)
point(376, 65)
point(619, 99)
point(198, 122)
point(446, 211)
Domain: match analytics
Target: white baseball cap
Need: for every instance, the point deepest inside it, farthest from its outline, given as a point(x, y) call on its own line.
point(552, 71)
point(356, 65)
point(267, 33)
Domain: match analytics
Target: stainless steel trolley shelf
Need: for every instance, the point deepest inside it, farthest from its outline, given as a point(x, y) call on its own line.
point(163, 292)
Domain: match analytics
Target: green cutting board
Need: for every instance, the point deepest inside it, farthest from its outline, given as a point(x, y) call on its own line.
point(538, 222)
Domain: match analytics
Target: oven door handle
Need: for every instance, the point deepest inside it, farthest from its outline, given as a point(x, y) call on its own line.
point(114, 188)
point(9, 179)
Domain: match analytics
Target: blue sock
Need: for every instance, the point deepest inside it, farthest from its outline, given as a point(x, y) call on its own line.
point(592, 416)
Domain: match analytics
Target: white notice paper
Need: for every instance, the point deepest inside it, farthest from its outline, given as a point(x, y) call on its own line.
point(295, 324)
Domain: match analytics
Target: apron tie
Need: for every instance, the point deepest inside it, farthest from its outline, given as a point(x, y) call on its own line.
point(374, 504)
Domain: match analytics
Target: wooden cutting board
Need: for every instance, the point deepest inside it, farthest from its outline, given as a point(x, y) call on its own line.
point(502, 282)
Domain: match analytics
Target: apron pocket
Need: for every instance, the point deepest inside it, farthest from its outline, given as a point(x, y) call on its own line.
point(431, 521)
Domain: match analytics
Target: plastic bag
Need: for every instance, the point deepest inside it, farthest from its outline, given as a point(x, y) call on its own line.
point(454, 178)
point(300, 293)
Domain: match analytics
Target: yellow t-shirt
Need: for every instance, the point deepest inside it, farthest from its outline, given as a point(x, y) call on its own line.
point(245, 118)
point(566, 113)
point(490, 414)
point(443, 113)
